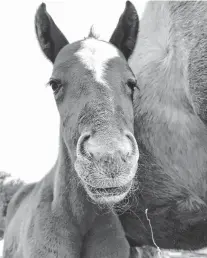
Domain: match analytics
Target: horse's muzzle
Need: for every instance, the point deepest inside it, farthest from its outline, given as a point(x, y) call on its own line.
point(106, 166)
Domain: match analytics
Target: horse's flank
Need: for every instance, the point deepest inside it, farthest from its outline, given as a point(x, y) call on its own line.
point(166, 100)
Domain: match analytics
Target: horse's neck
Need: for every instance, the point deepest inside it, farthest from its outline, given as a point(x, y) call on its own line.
point(69, 196)
point(165, 119)
point(179, 148)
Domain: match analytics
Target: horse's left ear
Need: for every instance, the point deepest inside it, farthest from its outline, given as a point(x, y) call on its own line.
point(49, 36)
point(126, 32)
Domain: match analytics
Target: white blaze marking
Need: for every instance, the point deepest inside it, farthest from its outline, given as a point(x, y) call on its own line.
point(95, 54)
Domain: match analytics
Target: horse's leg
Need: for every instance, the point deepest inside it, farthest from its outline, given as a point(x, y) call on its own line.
point(45, 235)
point(106, 239)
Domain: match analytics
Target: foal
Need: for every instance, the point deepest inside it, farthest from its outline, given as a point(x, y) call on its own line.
point(66, 214)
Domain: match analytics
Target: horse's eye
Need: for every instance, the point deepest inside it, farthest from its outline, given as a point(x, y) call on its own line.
point(55, 85)
point(132, 84)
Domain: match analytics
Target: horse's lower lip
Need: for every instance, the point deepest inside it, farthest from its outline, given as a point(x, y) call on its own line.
point(108, 191)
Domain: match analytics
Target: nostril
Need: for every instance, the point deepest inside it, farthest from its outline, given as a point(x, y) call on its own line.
point(82, 150)
point(133, 149)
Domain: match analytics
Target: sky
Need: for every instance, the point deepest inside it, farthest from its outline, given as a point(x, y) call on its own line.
point(29, 121)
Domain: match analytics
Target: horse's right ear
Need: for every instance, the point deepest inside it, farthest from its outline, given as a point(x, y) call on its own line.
point(49, 36)
point(125, 34)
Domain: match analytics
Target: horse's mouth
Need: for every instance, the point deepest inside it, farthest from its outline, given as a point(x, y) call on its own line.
point(108, 194)
point(109, 190)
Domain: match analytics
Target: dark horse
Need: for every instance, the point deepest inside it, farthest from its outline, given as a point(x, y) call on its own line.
point(67, 213)
point(170, 63)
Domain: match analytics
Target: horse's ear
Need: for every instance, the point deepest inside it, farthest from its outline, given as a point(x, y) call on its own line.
point(49, 36)
point(125, 34)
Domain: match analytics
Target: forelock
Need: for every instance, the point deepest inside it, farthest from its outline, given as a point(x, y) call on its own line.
point(92, 33)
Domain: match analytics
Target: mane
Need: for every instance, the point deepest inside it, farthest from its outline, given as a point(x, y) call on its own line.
point(92, 33)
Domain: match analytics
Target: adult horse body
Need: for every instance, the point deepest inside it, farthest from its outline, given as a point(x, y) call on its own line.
point(66, 214)
point(170, 63)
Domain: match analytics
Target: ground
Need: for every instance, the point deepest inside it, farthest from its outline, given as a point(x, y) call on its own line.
point(148, 252)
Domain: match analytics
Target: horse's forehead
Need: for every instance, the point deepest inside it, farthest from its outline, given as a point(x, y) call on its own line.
point(94, 55)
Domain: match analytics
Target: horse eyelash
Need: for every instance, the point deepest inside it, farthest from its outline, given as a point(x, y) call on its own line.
point(52, 81)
